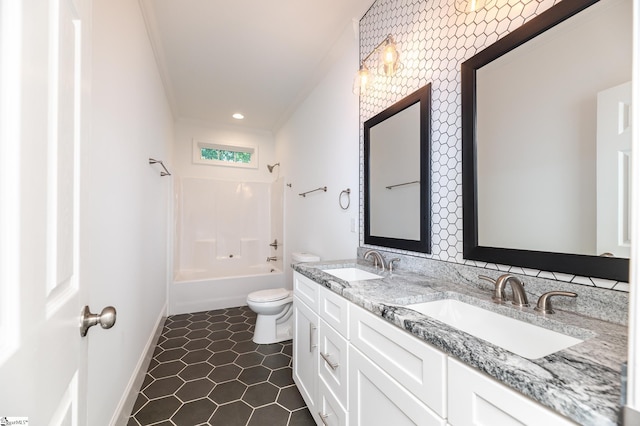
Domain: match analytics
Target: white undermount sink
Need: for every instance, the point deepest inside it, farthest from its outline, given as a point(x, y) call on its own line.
point(352, 274)
point(527, 340)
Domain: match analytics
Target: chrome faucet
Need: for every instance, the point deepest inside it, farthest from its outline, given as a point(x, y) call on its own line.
point(517, 288)
point(377, 258)
point(272, 259)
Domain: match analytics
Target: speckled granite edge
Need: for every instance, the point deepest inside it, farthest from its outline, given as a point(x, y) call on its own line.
point(582, 382)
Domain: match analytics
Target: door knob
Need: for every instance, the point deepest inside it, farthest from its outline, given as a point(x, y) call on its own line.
point(106, 319)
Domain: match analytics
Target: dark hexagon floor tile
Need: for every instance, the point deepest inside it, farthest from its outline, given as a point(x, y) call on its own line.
point(220, 335)
point(217, 326)
point(288, 349)
point(221, 345)
point(290, 398)
point(194, 413)
point(197, 344)
point(216, 312)
point(249, 359)
point(178, 332)
point(199, 370)
point(218, 318)
point(200, 316)
point(235, 319)
point(238, 327)
point(198, 334)
point(140, 401)
point(261, 394)
point(174, 342)
point(198, 325)
point(282, 377)
point(270, 349)
point(247, 346)
point(171, 355)
point(301, 417)
point(234, 414)
point(177, 324)
point(195, 389)
point(163, 387)
point(254, 375)
point(276, 361)
point(227, 392)
point(224, 357)
point(241, 336)
point(158, 410)
point(166, 369)
point(199, 355)
point(269, 415)
point(225, 373)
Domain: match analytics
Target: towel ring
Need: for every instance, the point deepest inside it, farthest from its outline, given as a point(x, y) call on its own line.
point(347, 192)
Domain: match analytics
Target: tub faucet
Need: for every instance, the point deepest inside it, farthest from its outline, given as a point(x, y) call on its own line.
point(517, 288)
point(272, 259)
point(377, 258)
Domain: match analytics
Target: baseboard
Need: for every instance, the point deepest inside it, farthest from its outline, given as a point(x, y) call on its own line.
point(123, 411)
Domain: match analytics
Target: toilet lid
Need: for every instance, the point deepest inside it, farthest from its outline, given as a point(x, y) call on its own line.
point(268, 295)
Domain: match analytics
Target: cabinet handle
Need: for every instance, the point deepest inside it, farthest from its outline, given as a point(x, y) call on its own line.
point(311, 329)
point(323, 418)
point(328, 361)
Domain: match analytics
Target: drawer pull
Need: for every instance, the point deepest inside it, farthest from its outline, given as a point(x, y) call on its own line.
point(323, 418)
point(311, 330)
point(328, 361)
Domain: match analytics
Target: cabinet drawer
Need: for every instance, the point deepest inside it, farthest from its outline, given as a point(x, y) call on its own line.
point(417, 366)
point(377, 399)
point(334, 309)
point(475, 398)
point(306, 290)
point(333, 361)
point(330, 412)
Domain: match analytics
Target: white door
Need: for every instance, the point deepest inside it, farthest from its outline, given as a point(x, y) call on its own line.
point(614, 171)
point(43, 98)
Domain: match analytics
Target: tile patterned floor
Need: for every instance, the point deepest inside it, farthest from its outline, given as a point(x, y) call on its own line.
point(206, 370)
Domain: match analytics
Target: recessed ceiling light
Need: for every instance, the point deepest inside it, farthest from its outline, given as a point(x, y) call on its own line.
point(238, 116)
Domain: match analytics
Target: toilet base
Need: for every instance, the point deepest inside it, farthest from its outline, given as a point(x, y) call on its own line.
point(273, 328)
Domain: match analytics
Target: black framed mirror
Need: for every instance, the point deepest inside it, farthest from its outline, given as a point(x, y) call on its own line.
point(559, 205)
point(397, 175)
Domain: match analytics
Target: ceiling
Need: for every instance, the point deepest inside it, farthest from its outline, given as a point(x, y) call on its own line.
point(259, 58)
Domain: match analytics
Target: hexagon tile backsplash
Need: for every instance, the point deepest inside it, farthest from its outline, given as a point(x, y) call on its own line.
point(434, 39)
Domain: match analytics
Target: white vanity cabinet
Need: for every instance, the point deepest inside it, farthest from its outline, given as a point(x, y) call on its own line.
point(354, 368)
point(320, 350)
point(476, 399)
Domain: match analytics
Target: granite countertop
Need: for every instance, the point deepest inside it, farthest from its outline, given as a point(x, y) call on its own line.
point(582, 382)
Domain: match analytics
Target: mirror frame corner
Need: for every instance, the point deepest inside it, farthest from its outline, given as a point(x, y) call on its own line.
point(423, 245)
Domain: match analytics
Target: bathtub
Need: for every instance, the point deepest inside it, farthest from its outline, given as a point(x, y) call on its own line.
point(202, 290)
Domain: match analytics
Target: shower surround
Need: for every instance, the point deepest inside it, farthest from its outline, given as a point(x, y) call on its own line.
point(223, 233)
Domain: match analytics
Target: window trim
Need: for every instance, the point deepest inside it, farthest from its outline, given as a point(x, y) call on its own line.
point(237, 147)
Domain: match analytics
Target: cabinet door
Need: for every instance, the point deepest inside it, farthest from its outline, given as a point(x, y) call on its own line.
point(476, 399)
point(376, 399)
point(333, 365)
point(305, 352)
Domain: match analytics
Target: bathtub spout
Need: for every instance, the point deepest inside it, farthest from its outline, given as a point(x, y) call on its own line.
point(272, 259)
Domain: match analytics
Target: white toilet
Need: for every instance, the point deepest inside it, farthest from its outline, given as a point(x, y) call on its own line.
point(275, 309)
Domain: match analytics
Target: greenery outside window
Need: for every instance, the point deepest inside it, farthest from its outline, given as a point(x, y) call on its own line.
point(225, 155)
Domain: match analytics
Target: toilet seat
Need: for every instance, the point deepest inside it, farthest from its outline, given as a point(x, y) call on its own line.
point(270, 295)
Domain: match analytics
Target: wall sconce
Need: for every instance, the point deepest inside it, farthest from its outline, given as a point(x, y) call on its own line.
point(388, 64)
point(469, 6)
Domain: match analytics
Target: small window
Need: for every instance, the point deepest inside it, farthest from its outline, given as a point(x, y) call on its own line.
point(225, 155)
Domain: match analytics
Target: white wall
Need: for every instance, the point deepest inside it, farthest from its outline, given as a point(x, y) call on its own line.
point(318, 146)
point(187, 130)
point(129, 203)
